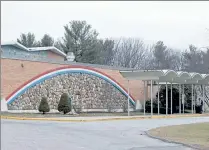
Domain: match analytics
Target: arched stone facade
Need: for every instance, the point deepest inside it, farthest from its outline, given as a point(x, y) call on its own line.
point(89, 89)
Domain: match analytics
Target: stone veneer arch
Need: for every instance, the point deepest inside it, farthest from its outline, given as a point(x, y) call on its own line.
point(63, 70)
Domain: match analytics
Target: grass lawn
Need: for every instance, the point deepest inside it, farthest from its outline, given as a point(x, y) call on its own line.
point(192, 134)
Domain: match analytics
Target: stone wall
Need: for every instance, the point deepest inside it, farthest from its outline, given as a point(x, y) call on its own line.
point(87, 91)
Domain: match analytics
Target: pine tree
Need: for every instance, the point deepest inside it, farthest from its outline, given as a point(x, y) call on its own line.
point(81, 39)
point(64, 103)
point(28, 40)
point(44, 106)
point(47, 40)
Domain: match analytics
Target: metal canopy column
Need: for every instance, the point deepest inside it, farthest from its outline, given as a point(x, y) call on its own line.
point(192, 99)
point(203, 97)
point(179, 98)
point(158, 99)
point(183, 98)
point(171, 99)
point(166, 98)
point(151, 99)
point(144, 97)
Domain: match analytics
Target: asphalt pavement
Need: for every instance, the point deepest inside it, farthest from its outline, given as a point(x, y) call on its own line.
point(106, 135)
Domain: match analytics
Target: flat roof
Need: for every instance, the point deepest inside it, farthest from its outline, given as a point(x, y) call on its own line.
point(33, 49)
point(171, 76)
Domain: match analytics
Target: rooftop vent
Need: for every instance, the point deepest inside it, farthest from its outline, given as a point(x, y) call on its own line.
point(70, 56)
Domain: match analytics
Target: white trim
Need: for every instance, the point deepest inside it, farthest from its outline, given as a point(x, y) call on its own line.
point(196, 76)
point(50, 48)
point(171, 72)
point(4, 107)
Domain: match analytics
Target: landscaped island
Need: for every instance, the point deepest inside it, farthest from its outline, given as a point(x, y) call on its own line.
point(193, 134)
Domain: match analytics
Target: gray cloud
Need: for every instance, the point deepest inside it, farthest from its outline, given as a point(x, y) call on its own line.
point(178, 24)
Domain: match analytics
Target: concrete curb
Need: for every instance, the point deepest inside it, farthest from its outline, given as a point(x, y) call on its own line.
point(173, 142)
point(179, 116)
point(103, 119)
point(73, 120)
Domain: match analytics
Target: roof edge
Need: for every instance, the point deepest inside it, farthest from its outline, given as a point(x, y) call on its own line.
point(50, 48)
point(14, 43)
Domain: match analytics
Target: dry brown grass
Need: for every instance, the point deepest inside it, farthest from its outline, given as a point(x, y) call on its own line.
point(192, 134)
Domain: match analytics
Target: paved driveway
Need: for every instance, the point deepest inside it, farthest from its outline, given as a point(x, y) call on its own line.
point(111, 135)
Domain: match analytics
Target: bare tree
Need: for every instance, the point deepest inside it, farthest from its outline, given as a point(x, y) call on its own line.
point(158, 56)
point(129, 53)
point(174, 60)
point(148, 62)
point(206, 61)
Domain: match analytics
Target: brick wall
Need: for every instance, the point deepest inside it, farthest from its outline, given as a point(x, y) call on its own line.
point(15, 72)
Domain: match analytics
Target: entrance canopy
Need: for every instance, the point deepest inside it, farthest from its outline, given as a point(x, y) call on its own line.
point(170, 76)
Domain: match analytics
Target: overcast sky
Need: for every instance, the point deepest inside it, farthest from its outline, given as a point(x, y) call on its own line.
point(178, 24)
